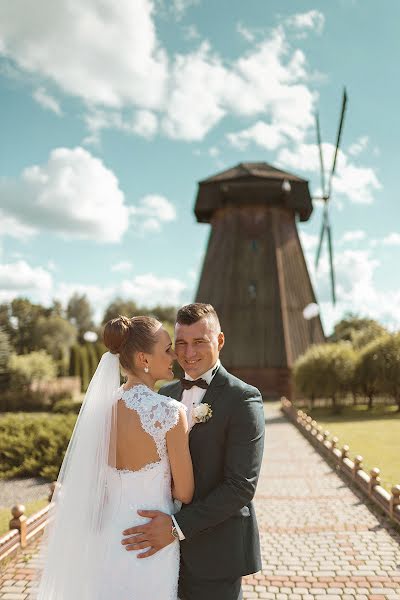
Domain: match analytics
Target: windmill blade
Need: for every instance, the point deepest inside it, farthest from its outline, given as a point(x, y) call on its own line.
point(330, 247)
point(339, 135)
point(321, 158)
point(321, 238)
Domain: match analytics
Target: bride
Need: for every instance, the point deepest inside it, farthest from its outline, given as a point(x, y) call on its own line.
point(129, 451)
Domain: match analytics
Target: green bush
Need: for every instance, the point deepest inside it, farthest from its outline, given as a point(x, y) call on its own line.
point(368, 371)
point(34, 445)
point(66, 406)
point(14, 399)
point(387, 358)
point(35, 366)
point(326, 371)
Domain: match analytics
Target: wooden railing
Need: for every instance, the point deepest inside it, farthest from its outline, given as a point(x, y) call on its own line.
point(24, 530)
point(368, 483)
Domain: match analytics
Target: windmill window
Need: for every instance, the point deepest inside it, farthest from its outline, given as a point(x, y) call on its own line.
point(252, 290)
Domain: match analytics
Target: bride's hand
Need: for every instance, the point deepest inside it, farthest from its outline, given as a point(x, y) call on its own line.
point(154, 535)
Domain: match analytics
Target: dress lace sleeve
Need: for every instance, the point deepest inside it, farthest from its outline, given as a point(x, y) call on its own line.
point(158, 414)
point(168, 415)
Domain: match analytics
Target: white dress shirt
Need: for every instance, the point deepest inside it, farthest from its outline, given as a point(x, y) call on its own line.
point(192, 398)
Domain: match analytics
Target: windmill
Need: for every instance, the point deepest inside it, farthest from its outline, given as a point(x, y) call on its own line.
point(255, 273)
point(326, 191)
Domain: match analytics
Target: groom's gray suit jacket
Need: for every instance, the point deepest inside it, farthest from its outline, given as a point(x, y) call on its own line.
point(220, 525)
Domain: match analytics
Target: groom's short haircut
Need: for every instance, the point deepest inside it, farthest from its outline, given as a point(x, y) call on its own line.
point(191, 313)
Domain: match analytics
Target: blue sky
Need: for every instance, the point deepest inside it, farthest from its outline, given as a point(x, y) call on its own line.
point(111, 113)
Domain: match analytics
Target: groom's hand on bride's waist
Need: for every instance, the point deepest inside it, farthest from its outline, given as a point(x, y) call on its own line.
point(153, 536)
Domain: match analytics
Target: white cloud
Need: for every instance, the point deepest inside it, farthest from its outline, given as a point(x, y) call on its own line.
point(266, 136)
point(353, 236)
point(312, 20)
point(122, 266)
point(194, 105)
point(36, 283)
point(150, 289)
point(359, 146)
point(146, 289)
point(245, 32)
point(178, 8)
point(356, 288)
point(47, 101)
point(308, 241)
point(267, 79)
point(357, 183)
point(51, 265)
point(143, 123)
point(74, 194)
point(153, 210)
point(214, 151)
point(392, 239)
point(190, 32)
point(109, 56)
point(12, 227)
point(105, 53)
point(20, 278)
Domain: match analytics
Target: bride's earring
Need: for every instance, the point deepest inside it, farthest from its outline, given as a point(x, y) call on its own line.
point(146, 369)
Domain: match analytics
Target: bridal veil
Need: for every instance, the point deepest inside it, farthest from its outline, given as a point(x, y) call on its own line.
point(72, 547)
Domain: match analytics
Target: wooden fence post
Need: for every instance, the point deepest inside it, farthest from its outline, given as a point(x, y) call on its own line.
point(374, 479)
point(357, 466)
point(19, 522)
point(395, 499)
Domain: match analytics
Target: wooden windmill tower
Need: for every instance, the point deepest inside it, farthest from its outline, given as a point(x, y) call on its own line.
point(254, 272)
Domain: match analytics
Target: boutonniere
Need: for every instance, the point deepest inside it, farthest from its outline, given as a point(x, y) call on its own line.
point(202, 413)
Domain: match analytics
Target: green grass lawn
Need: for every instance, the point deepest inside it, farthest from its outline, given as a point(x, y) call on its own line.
point(31, 508)
point(374, 434)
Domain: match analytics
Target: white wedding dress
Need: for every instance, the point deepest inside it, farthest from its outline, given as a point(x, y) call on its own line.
point(123, 576)
point(81, 553)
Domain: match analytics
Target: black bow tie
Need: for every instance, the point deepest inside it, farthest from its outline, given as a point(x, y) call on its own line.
point(187, 384)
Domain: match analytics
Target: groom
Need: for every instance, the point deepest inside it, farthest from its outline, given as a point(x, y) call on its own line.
point(218, 530)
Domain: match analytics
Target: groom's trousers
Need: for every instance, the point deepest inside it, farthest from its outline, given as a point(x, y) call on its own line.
point(209, 589)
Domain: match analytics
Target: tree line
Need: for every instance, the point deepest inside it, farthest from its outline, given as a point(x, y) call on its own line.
point(41, 343)
point(361, 359)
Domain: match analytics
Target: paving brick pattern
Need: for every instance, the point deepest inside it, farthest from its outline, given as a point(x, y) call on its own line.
point(320, 540)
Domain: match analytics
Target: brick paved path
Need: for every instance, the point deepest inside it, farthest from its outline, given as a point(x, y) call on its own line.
point(319, 539)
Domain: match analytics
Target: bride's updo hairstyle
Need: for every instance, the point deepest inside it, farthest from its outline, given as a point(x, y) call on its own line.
point(125, 337)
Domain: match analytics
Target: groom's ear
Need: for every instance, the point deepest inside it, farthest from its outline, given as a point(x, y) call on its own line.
point(221, 341)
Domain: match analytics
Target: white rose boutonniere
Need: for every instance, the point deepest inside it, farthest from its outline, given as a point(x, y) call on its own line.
point(202, 413)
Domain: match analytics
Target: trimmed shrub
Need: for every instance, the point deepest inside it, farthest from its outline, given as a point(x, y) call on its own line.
point(326, 370)
point(66, 406)
point(5, 353)
point(92, 358)
point(35, 366)
point(34, 445)
point(100, 349)
point(84, 368)
point(368, 371)
point(387, 359)
point(75, 361)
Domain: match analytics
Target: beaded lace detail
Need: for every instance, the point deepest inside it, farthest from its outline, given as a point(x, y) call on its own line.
point(158, 414)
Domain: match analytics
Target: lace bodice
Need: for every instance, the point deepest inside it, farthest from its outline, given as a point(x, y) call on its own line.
point(158, 414)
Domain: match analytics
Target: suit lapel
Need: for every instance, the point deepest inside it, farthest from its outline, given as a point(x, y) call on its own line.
point(177, 391)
